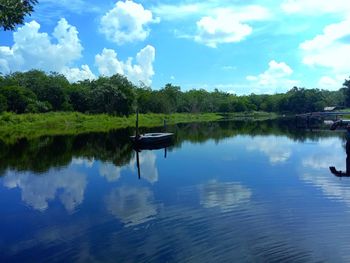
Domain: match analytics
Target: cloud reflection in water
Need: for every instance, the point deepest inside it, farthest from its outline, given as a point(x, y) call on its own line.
point(38, 190)
point(226, 196)
point(132, 205)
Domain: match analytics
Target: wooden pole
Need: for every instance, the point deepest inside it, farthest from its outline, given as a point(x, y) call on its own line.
point(137, 125)
point(138, 164)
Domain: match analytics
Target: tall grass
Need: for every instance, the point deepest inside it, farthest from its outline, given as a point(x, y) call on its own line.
point(15, 126)
point(32, 125)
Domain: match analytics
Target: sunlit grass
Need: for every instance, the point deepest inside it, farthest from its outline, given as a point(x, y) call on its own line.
point(16, 126)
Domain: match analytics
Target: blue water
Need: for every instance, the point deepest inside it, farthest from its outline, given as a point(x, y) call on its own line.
point(226, 192)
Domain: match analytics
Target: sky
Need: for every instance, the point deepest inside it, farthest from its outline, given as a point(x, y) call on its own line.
point(236, 46)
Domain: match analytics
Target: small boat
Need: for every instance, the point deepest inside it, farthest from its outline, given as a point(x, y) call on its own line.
point(139, 145)
point(151, 140)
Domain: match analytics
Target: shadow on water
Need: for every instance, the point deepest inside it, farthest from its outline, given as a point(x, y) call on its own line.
point(41, 154)
point(340, 173)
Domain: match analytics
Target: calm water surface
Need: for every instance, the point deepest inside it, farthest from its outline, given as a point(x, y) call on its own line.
point(226, 191)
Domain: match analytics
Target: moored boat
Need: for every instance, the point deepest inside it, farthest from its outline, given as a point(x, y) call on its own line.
point(152, 138)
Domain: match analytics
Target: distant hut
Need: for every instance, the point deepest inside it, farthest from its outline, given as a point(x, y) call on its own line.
point(330, 108)
point(333, 108)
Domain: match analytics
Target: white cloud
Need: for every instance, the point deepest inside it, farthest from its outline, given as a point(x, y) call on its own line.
point(33, 49)
point(331, 83)
point(316, 7)
point(330, 50)
point(37, 191)
point(223, 28)
point(209, 8)
point(171, 12)
point(76, 74)
point(215, 24)
point(275, 79)
point(109, 64)
point(226, 196)
point(131, 205)
point(126, 22)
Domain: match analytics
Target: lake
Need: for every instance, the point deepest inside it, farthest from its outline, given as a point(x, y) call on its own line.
point(224, 192)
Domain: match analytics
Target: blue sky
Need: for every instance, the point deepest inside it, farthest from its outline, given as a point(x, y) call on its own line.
point(236, 46)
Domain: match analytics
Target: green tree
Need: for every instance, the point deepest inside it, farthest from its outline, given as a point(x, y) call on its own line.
point(19, 99)
point(3, 103)
point(346, 86)
point(47, 87)
point(114, 95)
point(13, 12)
point(79, 96)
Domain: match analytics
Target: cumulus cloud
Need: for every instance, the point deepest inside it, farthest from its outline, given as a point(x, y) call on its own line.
point(275, 79)
point(330, 50)
point(37, 191)
point(226, 196)
point(33, 49)
point(109, 64)
point(126, 22)
point(131, 205)
point(76, 74)
point(223, 28)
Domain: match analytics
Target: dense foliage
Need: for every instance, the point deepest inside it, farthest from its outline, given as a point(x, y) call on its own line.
point(12, 12)
point(36, 91)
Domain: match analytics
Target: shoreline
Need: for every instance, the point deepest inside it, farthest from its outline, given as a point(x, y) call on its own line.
point(33, 125)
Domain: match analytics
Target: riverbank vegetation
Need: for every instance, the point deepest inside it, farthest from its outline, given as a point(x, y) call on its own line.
point(38, 92)
point(36, 103)
point(32, 125)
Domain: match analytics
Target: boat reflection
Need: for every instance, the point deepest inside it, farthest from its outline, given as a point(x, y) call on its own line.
point(158, 146)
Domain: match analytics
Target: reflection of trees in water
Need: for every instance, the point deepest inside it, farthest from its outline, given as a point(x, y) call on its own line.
point(39, 155)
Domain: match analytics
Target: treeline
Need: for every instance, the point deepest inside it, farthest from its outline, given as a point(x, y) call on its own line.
point(36, 91)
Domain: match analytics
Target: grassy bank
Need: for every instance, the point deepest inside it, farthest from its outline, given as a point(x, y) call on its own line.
point(14, 126)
